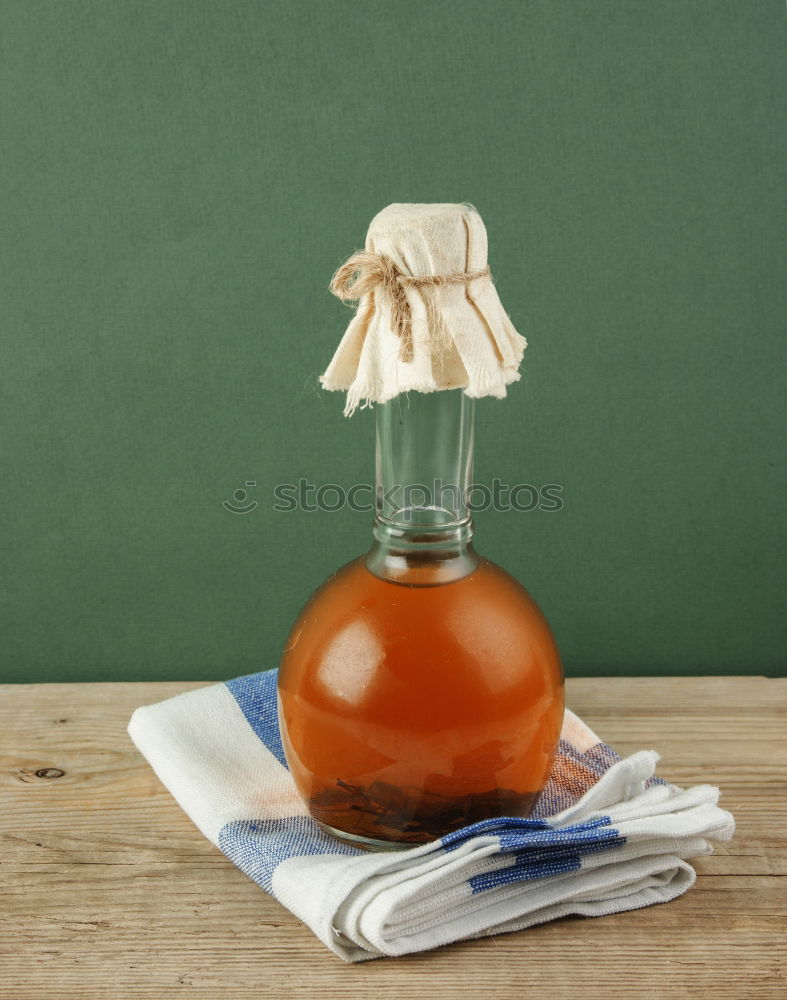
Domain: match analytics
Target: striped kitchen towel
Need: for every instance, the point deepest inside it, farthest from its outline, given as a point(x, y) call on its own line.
point(606, 835)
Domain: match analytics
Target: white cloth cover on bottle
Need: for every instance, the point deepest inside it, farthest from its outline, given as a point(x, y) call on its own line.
point(458, 334)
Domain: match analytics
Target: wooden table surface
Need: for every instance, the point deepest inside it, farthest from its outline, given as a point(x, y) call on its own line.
point(107, 890)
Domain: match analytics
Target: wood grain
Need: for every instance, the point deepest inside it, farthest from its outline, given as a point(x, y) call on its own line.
point(108, 891)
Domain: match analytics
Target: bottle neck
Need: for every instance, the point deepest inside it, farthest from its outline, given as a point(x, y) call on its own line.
point(422, 526)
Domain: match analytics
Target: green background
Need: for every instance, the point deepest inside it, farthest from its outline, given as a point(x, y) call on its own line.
point(179, 181)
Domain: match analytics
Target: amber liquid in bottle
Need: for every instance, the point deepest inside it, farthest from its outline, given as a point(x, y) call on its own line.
point(421, 688)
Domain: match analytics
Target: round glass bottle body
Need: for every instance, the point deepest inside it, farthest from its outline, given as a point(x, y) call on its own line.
point(421, 688)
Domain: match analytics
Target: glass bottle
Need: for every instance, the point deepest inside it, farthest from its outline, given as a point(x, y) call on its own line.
point(421, 688)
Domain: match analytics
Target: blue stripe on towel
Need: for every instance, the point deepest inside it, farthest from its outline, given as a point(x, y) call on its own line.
point(536, 849)
point(543, 860)
point(256, 696)
point(522, 871)
point(259, 846)
point(514, 831)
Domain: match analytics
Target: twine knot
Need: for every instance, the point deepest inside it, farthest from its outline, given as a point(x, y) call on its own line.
point(365, 271)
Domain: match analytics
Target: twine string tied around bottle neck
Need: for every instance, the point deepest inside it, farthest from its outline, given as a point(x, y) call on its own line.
point(365, 271)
